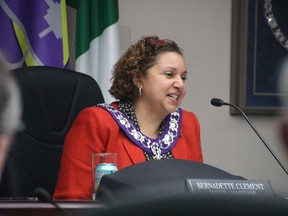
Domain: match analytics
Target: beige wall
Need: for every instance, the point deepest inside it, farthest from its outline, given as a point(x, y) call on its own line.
point(203, 29)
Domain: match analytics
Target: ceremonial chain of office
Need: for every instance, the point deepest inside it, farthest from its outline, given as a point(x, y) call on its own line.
point(158, 146)
point(274, 25)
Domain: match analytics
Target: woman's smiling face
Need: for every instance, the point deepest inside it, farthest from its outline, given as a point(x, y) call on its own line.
point(164, 85)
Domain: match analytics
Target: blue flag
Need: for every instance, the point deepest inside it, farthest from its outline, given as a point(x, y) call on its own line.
point(34, 32)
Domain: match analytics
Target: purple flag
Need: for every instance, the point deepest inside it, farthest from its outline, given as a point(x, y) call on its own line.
point(34, 32)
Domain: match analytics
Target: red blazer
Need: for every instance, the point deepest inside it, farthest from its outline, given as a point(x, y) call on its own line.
point(95, 130)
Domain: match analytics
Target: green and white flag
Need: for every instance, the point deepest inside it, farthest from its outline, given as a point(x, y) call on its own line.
point(97, 40)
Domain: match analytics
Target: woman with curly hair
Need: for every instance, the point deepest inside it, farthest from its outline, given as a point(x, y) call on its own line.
point(144, 123)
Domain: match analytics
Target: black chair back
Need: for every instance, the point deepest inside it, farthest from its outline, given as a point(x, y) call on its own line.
point(52, 98)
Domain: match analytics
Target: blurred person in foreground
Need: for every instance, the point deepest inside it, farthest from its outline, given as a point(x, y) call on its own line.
point(283, 89)
point(144, 123)
point(10, 110)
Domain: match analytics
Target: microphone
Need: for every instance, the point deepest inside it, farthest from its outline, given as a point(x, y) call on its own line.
point(44, 196)
point(218, 102)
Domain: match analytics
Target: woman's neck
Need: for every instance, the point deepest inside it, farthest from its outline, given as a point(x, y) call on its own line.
point(148, 127)
point(149, 122)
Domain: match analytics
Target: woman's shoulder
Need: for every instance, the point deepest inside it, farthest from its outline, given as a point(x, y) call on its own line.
point(189, 116)
point(188, 113)
point(97, 110)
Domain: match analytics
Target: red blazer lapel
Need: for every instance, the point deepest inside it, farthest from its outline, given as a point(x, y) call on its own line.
point(134, 152)
point(179, 151)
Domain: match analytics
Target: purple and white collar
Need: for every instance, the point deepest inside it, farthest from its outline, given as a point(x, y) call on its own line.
point(161, 145)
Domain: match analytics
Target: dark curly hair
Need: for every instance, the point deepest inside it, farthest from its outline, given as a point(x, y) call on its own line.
point(135, 62)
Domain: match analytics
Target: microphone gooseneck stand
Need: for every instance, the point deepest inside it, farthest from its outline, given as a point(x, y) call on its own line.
point(44, 196)
point(219, 102)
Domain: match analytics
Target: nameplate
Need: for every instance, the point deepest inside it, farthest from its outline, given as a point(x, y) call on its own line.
point(229, 187)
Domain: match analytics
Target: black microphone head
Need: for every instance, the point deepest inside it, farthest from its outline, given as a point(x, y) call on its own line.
point(43, 195)
point(217, 102)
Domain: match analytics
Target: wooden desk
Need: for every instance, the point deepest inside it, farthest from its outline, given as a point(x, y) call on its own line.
point(37, 208)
